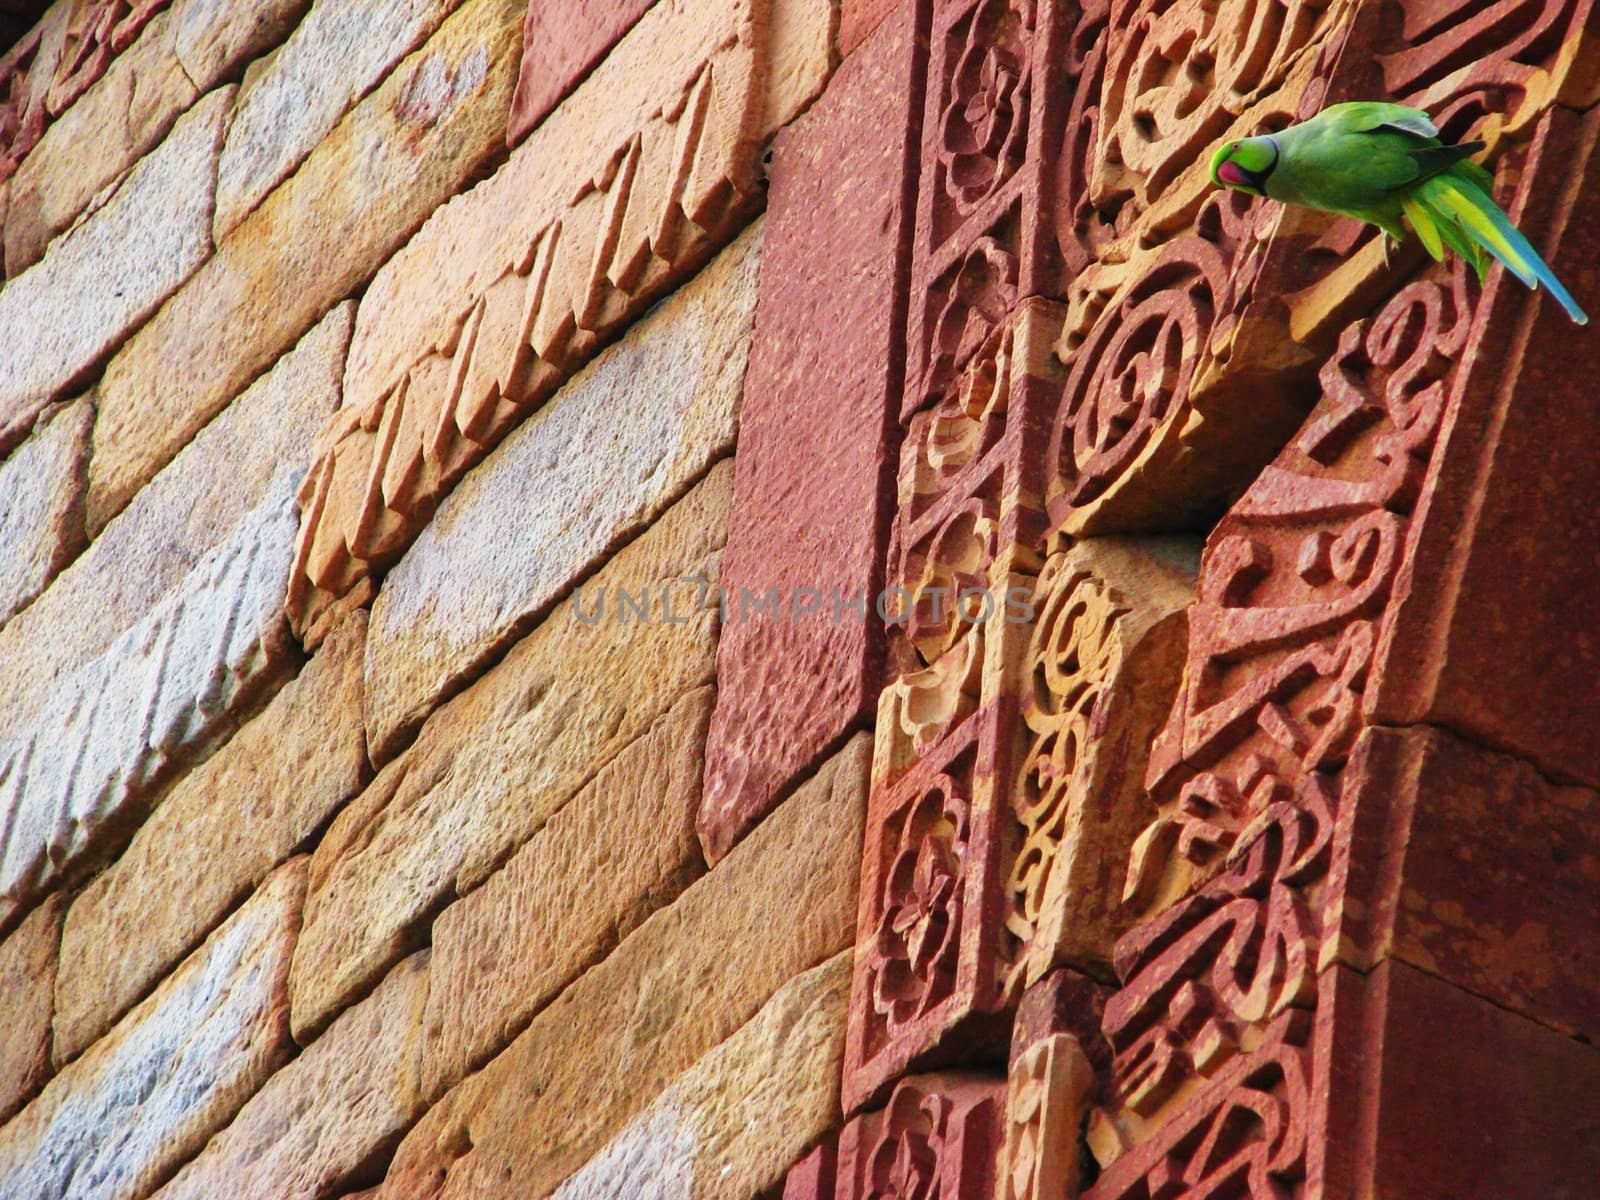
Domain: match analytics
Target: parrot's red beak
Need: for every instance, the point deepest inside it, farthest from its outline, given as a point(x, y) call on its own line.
point(1232, 173)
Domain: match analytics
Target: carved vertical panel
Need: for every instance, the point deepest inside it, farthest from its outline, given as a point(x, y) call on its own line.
point(998, 91)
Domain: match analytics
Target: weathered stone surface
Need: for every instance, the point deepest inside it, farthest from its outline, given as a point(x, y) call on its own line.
point(814, 464)
point(730, 1124)
point(41, 505)
point(129, 110)
point(614, 447)
point(1468, 865)
point(493, 765)
point(858, 18)
point(100, 282)
point(1494, 629)
point(680, 984)
point(27, 69)
point(621, 848)
point(430, 127)
point(213, 37)
point(183, 53)
point(186, 512)
point(336, 55)
point(331, 1112)
point(634, 183)
point(213, 837)
point(110, 730)
point(561, 42)
point(115, 1123)
point(1425, 1091)
point(28, 961)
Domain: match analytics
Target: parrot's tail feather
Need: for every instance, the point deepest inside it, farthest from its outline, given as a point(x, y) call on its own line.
point(1459, 201)
point(1427, 228)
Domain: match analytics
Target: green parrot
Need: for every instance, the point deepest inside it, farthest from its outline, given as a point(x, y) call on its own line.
point(1377, 162)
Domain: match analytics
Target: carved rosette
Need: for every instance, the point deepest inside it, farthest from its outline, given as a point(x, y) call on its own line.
point(983, 123)
point(932, 952)
point(655, 210)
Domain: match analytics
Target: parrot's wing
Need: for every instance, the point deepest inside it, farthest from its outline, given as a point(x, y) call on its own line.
point(1364, 116)
point(1412, 122)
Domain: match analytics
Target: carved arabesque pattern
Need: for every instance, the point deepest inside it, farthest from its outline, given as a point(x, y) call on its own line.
point(1072, 657)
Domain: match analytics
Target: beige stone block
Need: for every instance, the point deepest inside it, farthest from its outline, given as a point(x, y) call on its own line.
point(322, 1119)
point(335, 56)
point(185, 512)
point(612, 449)
point(214, 836)
point(631, 185)
point(492, 766)
point(100, 282)
point(213, 38)
point(730, 1126)
point(77, 774)
point(41, 505)
point(108, 129)
point(116, 1122)
point(782, 902)
point(28, 957)
point(417, 139)
point(621, 848)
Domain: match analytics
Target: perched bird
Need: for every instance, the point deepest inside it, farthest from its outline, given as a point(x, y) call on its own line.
point(1377, 162)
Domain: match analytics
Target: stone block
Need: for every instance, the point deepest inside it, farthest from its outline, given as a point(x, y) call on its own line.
point(321, 1121)
point(1051, 1084)
point(214, 38)
point(608, 453)
point(813, 490)
point(75, 775)
point(631, 186)
point(29, 957)
point(562, 41)
point(1432, 1091)
point(116, 1122)
point(858, 18)
point(493, 765)
point(189, 509)
point(184, 52)
point(149, 238)
point(334, 57)
point(41, 504)
point(219, 830)
point(676, 987)
point(126, 113)
point(27, 69)
point(726, 1128)
point(428, 129)
point(1470, 866)
point(621, 848)
point(812, 1177)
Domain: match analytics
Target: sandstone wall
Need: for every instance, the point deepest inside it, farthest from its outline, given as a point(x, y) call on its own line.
point(666, 599)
